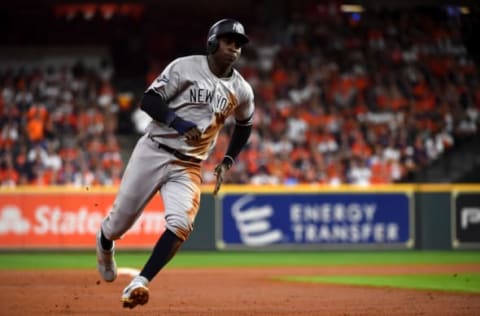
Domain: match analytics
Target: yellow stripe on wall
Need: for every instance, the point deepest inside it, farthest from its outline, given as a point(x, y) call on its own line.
point(302, 188)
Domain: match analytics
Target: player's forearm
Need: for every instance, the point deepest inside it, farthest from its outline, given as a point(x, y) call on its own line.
point(155, 106)
point(240, 136)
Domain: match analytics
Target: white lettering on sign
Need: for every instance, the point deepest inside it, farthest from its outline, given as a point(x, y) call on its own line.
point(470, 215)
point(377, 232)
point(57, 221)
point(53, 220)
point(329, 213)
point(340, 222)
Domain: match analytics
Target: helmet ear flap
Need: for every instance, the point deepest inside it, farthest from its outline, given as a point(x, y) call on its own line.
point(212, 44)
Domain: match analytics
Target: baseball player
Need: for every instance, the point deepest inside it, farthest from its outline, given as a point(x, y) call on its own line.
point(188, 103)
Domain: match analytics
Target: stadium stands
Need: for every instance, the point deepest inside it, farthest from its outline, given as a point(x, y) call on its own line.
point(341, 98)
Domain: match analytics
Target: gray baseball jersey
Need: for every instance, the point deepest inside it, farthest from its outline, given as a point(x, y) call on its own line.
point(194, 93)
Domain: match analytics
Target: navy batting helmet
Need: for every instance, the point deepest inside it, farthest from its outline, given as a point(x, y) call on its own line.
point(224, 27)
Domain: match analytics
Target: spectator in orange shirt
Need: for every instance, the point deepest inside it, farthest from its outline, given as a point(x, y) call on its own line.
point(37, 116)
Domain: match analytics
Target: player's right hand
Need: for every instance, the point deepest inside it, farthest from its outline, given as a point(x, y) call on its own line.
point(186, 128)
point(193, 134)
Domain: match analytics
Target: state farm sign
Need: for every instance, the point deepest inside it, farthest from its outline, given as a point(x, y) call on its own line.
point(69, 220)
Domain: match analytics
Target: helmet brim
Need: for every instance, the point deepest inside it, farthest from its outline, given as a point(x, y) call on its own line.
point(240, 38)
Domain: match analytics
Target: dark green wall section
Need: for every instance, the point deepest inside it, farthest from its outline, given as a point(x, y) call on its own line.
point(432, 220)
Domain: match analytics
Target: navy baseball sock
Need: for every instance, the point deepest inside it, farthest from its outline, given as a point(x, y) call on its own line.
point(106, 244)
point(163, 251)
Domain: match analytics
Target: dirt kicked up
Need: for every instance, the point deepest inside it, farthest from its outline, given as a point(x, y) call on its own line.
point(232, 292)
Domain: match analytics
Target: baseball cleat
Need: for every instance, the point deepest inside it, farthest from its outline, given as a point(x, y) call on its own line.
point(136, 293)
point(106, 265)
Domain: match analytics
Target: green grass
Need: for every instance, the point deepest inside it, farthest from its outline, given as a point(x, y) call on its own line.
point(185, 259)
point(444, 282)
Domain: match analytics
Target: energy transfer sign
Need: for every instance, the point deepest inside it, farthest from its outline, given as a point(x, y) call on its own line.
point(346, 220)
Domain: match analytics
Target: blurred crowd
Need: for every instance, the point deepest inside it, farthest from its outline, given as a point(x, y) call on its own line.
point(361, 99)
point(58, 127)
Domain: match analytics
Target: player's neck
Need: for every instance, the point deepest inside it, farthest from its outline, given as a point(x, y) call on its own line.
point(217, 70)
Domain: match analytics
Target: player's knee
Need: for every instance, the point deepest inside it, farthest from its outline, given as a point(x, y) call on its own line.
point(179, 225)
point(109, 233)
point(114, 229)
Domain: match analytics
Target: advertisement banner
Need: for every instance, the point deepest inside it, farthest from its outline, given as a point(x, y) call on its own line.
point(69, 219)
point(466, 220)
point(346, 220)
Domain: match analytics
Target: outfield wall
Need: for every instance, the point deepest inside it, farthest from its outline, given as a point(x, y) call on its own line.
point(257, 218)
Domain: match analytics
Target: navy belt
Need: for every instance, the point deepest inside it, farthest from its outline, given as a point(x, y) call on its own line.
point(175, 152)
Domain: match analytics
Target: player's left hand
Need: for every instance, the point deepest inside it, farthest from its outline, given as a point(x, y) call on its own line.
point(220, 172)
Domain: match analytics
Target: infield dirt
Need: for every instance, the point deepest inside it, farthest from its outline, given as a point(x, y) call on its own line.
point(232, 292)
